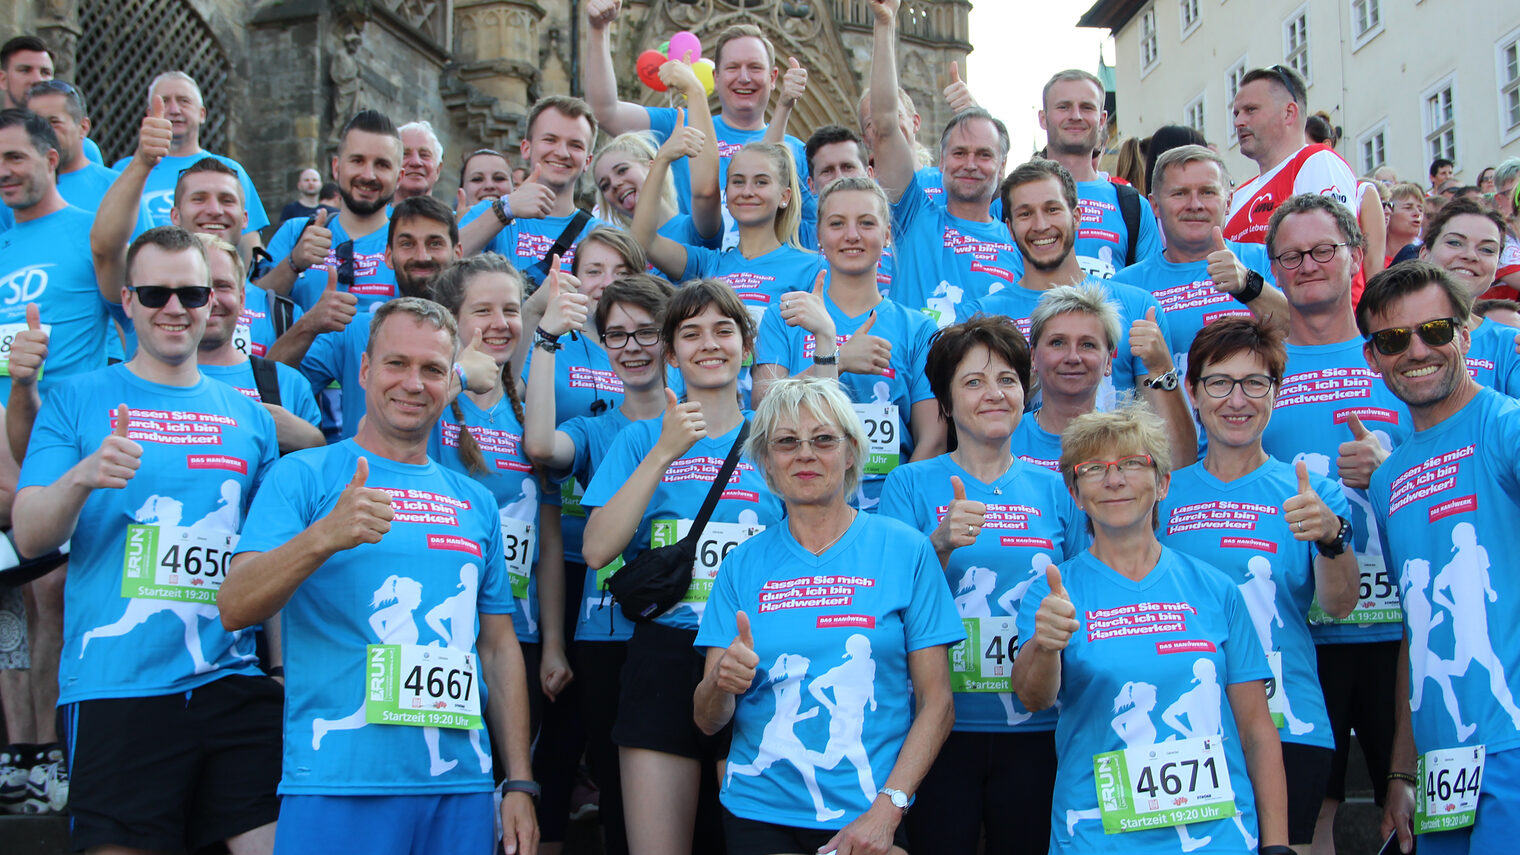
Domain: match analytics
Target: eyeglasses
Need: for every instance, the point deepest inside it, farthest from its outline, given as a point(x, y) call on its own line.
point(1092, 470)
point(345, 254)
point(1223, 385)
point(1291, 259)
point(157, 296)
point(1395, 340)
point(790, 444)
point(618, 339)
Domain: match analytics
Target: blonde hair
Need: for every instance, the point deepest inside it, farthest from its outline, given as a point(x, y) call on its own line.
point(212, 242)
point(640, 146)
point(788, 223)
point(1093, 435)
point(783, 405)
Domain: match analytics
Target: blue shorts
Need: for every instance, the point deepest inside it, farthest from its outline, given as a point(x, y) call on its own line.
point(448, 824)
point(1498, 813)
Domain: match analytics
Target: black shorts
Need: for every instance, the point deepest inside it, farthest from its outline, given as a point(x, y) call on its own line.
point(1358, 682)
point(174, 772)
point(655, 701)
point(997, 784)
point(752, 837)
point(1307, 768)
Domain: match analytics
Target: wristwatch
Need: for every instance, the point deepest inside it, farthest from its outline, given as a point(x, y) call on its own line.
point(898, 797)
point(1252, 287)
point(831, 359)
point(1338, 545)
point(502, 208)
point(1166, 382)
point(544, 341)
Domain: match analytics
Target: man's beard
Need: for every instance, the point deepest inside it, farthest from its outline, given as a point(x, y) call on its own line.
point(364, 209)
point(416, 286)
point(1067, 247)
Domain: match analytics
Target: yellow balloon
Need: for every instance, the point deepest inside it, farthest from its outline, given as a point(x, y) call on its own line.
point(703, 68)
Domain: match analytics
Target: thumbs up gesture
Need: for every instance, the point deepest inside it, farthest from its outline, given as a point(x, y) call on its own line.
point(566, 309)
point(118, 458)
point(316, 240)
point(865, 353)
point(957, 93)
point(334, 309)
point(962, 522)
point(1360, 456)
point(155, 136)
point(1056, 620)
point(362, 514)
point(532, 200)
point(736, 670)
point(806, 309)
point(677, 76)
point(1148, 344)
point(680, 428)
point(1306, 514)
point(684, 140)
point(29, 349)
point(793, 82)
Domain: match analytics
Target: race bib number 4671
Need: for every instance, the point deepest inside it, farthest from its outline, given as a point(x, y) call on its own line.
point(410, 684)
point(170, 562)
point(1168, 783)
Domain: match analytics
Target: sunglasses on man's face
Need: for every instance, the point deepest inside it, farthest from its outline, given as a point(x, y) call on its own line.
point(1395, 340)
point(157, 296)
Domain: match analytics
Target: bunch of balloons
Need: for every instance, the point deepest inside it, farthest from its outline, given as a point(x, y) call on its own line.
point(683, 47)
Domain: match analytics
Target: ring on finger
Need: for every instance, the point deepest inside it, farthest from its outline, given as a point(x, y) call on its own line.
point(971, 529)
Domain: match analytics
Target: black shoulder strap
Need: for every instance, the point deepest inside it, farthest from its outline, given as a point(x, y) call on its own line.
point(266, 379)
point(1129, 209)
point(565, 240)
point(282, 313)
point(715, 492)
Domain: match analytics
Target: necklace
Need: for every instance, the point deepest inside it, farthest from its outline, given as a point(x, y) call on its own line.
point(825, 547)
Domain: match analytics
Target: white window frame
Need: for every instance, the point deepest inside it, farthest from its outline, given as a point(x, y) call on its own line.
point(1509, 87)
point(1199, 103)
point(1232, 82)
point(1431, 130)
point(1360, 38)
point(1150, 34)
point(1378, 130)
point(1183, 6)
point(1290, 50)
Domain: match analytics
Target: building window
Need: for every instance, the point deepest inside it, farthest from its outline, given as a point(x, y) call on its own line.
point(1440, 119)
point(1296, 43)
point(1366, 21)
point(1373, 147)
point(1150, 51)
point(1232, 80)
point(1509, 87)
point(1193, 115)
point(1189, 16)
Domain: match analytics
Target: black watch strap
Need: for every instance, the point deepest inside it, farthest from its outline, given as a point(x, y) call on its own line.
point(1337, 546)
point(1252, 287)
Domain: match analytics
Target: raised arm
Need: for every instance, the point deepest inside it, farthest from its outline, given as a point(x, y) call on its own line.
point(117, 215)
point(615, 116)
point(29, 350)
point(706, 189)
point(793, 86)
point(666, 254)
point(893, 151)
point(546, 446)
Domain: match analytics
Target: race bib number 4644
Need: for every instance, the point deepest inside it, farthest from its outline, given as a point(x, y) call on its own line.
point(170, 562)
point(1450, 780)
point(409, 684)
point(1169, 783)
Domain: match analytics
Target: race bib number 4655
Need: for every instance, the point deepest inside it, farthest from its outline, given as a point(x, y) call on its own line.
point(171, 562)
point(410, 684)
point(1169, 783)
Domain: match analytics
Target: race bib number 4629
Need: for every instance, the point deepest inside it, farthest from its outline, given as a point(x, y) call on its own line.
point(880, 421)
point(410, 684)
point(1169, 783)
point(171, 562)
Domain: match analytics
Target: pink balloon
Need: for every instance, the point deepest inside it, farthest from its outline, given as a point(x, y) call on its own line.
point(685, 41)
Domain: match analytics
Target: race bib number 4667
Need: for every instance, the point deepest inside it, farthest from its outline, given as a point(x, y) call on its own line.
point(1169, 783)
point(170, 562)
point(410, 684)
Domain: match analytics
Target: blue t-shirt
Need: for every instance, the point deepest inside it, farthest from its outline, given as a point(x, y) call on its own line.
point(662, 120)
point(1491, 360)
point(295, 389)
point(158, 193)
point(1458, 487)
point(84, 188)
point(1018, 303)
point(256, 317)
point(884, 401)
point(1034, 444)
point(1238, 527)
point(425, 583)
point(374, 280)
point(166, 537)
point(942, 262)
point(1102, 236)
point(1323, 385)
point(1187, 295)
point(510, 477)
point(92, 151)
point(526, 241)
point(599, 618)
point(335, 356)
point(760, 281)
point(1031, 523)
point(833, 633)
point(1149, 663)
point(47, 261)
point(932, 180)
point(746, 506)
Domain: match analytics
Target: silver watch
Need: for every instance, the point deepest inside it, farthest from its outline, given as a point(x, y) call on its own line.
point(1166, 382)
point(898, 797)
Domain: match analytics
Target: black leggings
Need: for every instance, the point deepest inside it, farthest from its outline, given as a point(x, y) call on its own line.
point(1000, 784)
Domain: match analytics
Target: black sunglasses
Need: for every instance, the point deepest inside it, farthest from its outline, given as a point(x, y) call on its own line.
point(157, 296)
point(1294, 92)
point(1395, 340)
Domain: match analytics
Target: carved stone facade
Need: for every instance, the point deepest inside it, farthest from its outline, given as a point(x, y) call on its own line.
point(294, 70)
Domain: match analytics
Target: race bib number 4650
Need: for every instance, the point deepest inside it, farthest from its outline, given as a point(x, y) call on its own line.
point(171, 562)
point(410, 684)
point(1169, 783)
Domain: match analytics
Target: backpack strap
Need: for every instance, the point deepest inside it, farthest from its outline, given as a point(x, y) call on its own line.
point(1129, 209)
point(266, 379)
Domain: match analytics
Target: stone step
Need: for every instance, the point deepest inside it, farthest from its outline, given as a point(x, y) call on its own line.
point(34, 835)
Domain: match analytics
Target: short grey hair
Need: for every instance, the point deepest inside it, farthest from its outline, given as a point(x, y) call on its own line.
point(970, 115)
point(175, 75)
point(1087, 299)
point(1182, 156)
point(1305, 203)
point(1506, 171)
point(427, 128)
point(783, 405)
point(424, 311)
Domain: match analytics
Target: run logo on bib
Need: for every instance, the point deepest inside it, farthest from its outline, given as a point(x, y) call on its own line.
point(983, 662)
point(1165, 784)
point(175, 563)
